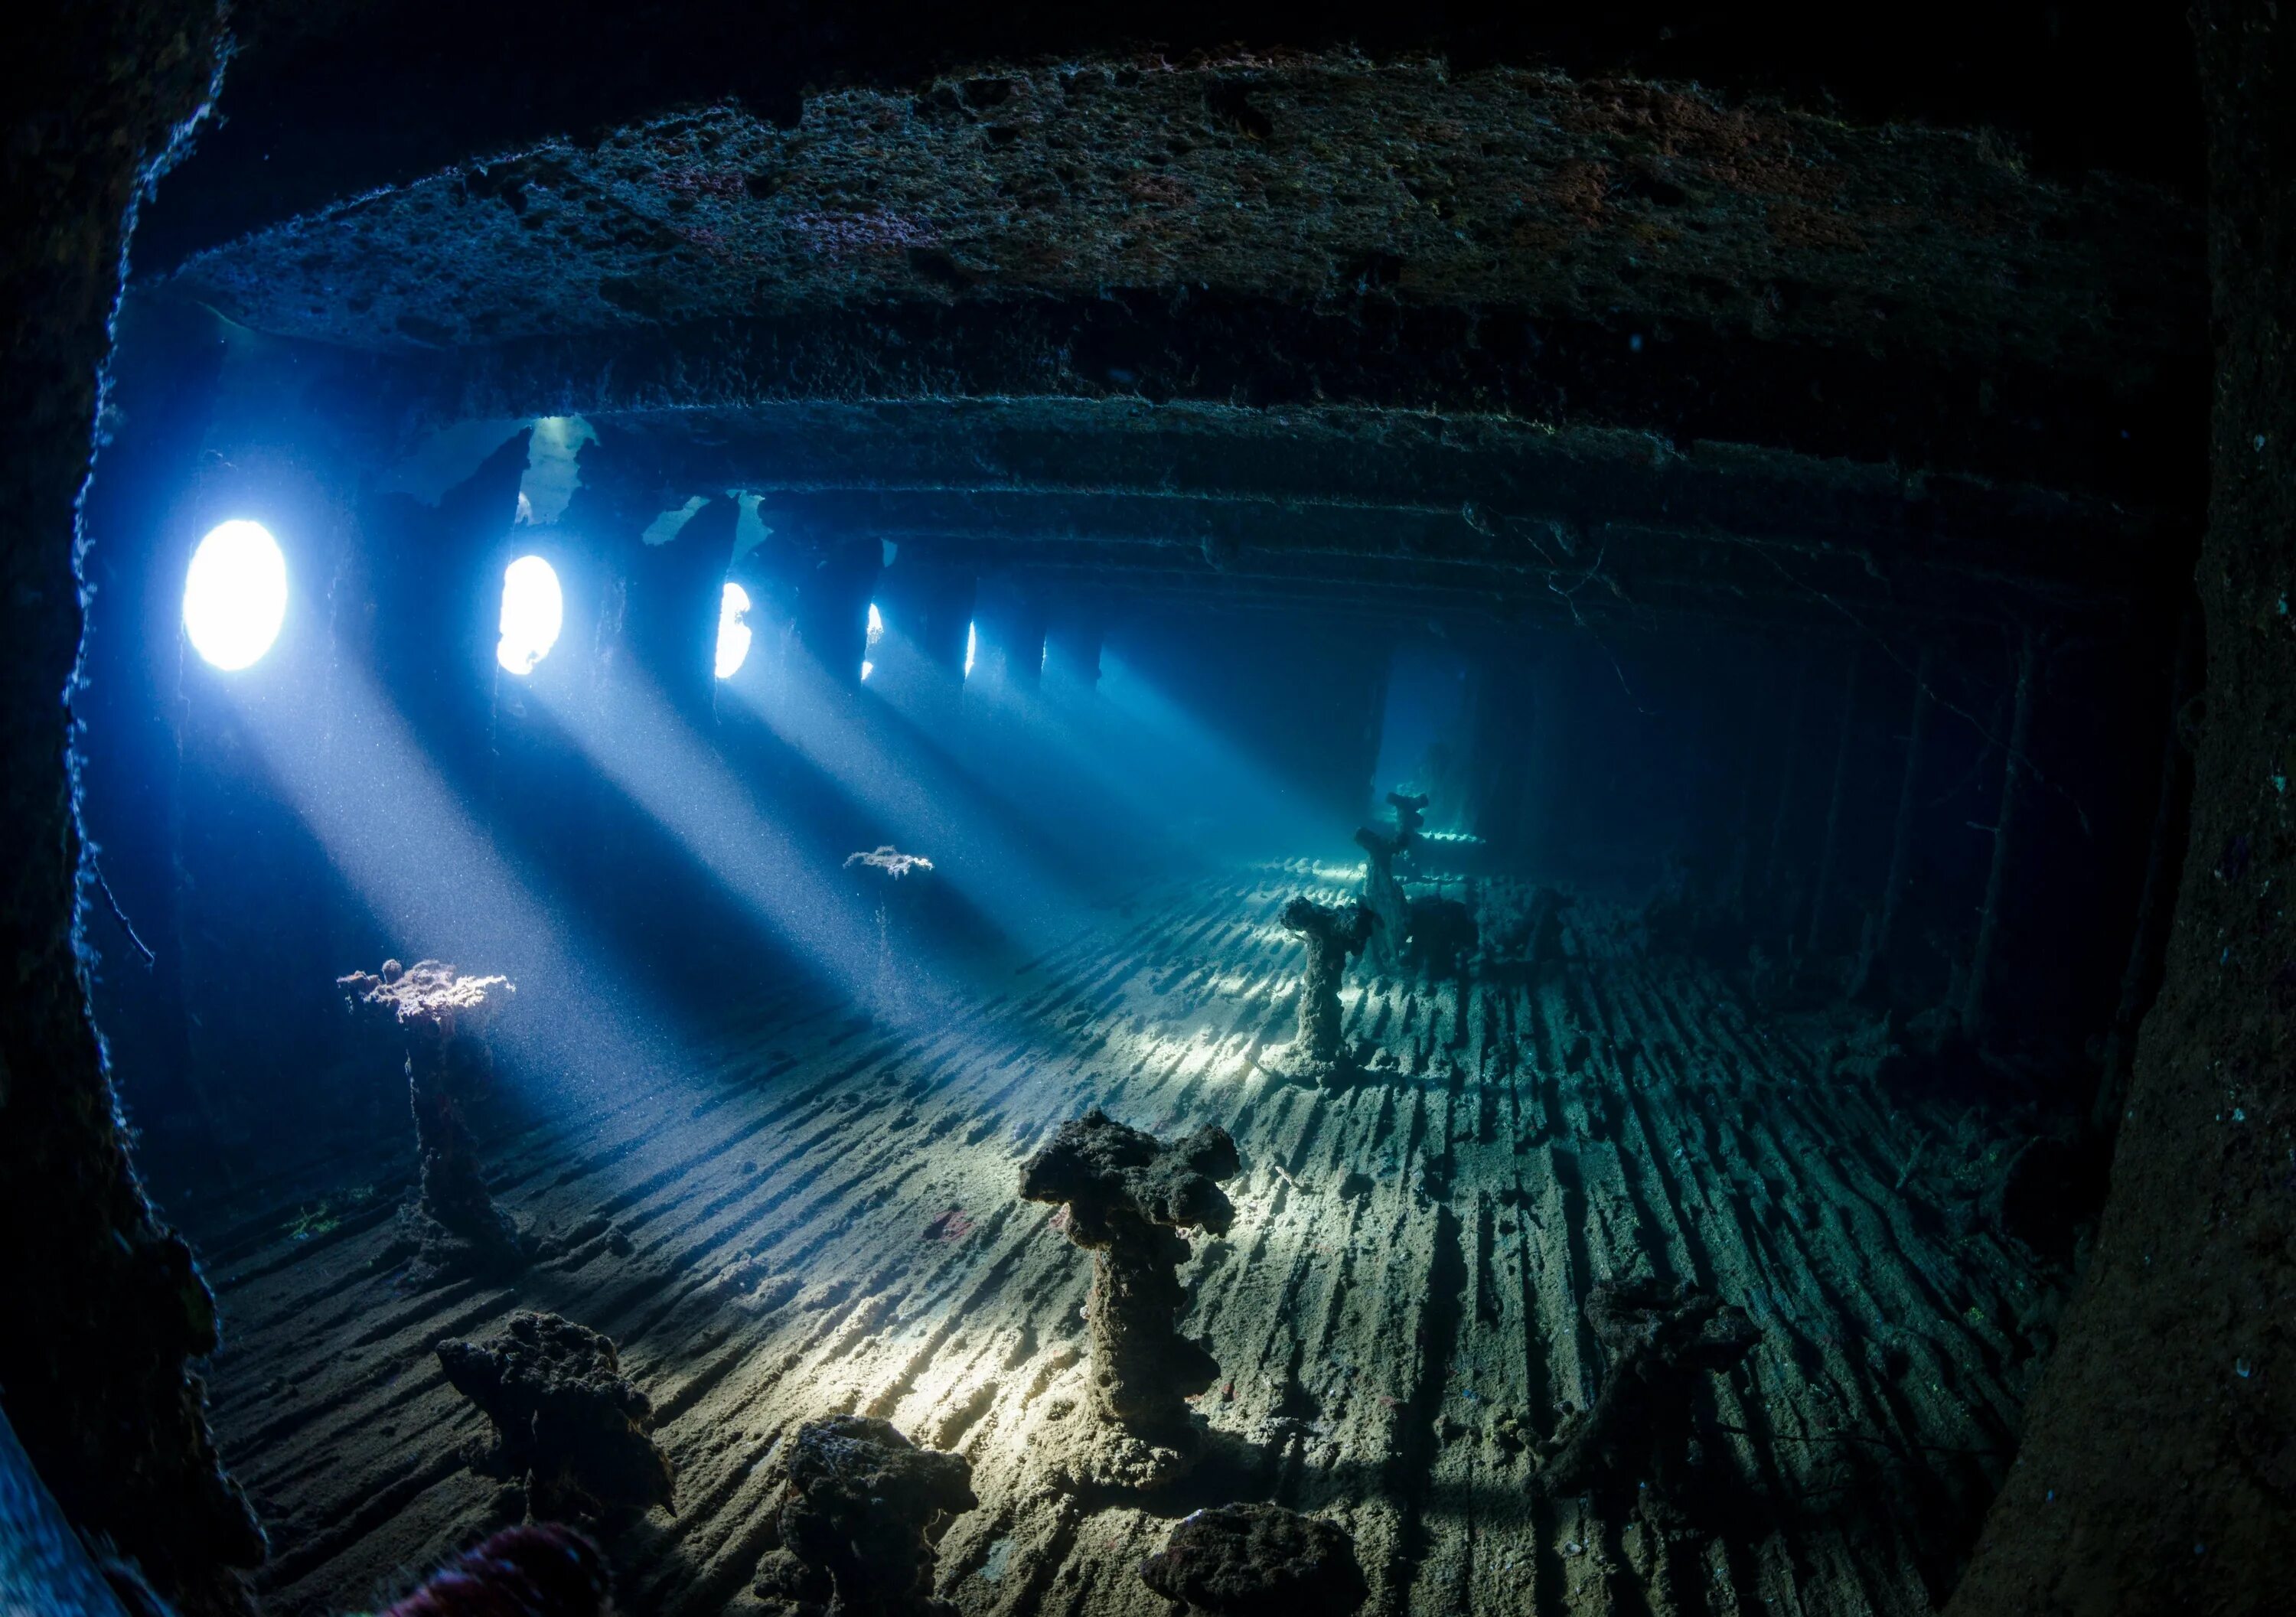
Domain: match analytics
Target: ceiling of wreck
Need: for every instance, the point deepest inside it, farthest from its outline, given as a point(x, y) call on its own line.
point(1270, 327)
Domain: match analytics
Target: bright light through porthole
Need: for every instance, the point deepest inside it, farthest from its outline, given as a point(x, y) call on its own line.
point(533, 610)
point(733, 635)
point(876, 633)
point(235, 594)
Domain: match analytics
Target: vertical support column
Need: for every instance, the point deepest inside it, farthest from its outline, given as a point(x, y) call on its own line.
point(2147, 943)
point(1788, 768)
point(670, 614)
point(927, 609)
point(437, 584)
point(947, 628)
point(920, 661)
point(1730, 896)
point(1730, 890)
point(1028, 642)
point(1013, 622)
point(1874, 963)
point(1072, 639)
point(1825, 859)
point(834, 585)
point(2005, 837)
point(545, 803)
point(1499, 756)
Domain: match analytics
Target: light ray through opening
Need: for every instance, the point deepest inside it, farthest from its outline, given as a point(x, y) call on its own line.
point(533, 611)
point(235, 594)
point(733, 631)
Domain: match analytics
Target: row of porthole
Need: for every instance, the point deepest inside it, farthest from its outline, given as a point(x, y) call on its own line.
point(235, 603)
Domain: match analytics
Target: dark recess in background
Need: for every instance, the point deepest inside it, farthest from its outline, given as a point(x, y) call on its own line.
point(325, 102)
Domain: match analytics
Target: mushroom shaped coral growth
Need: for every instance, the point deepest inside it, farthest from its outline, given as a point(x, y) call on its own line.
point(565, 1417)
point(1127, 1194)
point(860, 1510)
point(1660, 1341)
point(1384, 897)
point(1333, 937)
point(890, 859)
point(452, 1228)
point(1410, 814)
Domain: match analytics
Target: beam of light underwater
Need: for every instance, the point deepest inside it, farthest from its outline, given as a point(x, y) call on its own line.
point(926, 807)
point(1176, 789)
point(353, 770)
point(578, 1039)
point(574, 1040)
point(631, 736)
point(1197, 766)
point(1027, 738)
point(1059, 731)
point(1046, 797)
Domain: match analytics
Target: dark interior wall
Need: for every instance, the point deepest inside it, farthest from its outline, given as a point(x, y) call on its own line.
point(1636, 748)
point(160, 410)
point(1597, 806)
point(194, 837)
point(106, 1309)
point(2096, 755)
point(1711, 760)
point(2158, 1467)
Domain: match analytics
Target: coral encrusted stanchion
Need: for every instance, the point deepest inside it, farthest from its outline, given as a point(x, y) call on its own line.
point(1384, 897)
point(1334, 936)
point(1126, 1195)
point(452, 1228)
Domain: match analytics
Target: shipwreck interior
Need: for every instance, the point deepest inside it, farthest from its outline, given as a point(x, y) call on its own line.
point(1150, 812)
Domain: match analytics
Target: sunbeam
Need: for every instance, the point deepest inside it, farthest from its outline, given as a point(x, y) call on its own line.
point(1200, 772)
point(629, 731)
point(931, 810)
point(434, 881)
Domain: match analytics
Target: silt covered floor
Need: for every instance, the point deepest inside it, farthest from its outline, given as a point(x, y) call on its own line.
point(824, 1218)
